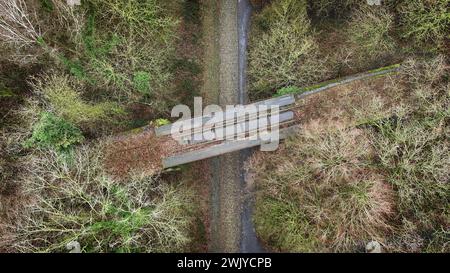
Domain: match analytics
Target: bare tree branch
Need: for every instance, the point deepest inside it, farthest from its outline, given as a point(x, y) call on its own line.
point(16, 24)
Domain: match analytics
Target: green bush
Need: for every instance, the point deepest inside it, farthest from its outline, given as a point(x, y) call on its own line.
point(284, 54)
point(78, 201)
point(288, 90)
point(75, 68)
point(64, 100)
point(142, 82)
point(295, 235)
point(5, 92)
point(54, 132)
point(426, 22)
point(160, 122)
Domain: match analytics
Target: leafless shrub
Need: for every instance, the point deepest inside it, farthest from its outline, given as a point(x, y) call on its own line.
point(73, 199)
point(17, 24)
point(28, 36)
point(70, 19)
point(428, 72)
point(333, 187)
point(285, 53)
point(369, 42)
point(322, 189)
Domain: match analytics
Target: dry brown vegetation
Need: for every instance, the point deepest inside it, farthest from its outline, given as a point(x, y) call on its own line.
point(328, 39)
point(371, 162)
point(334, 187)
point(139, 152)
point(18, 29)
point(77, 201)
point(327, 170)
point(344, 202)
point(283, 50)
point(69, 75)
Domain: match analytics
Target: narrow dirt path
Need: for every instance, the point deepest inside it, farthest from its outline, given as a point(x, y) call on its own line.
point(224, 83)
point(227, 167)
point(226, 190)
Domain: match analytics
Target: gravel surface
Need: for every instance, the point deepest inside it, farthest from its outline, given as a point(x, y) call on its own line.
point(225, 30)
point(226, 182)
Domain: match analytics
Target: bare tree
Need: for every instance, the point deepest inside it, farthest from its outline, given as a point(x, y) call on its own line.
point(16, 24)
point(69, 18)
